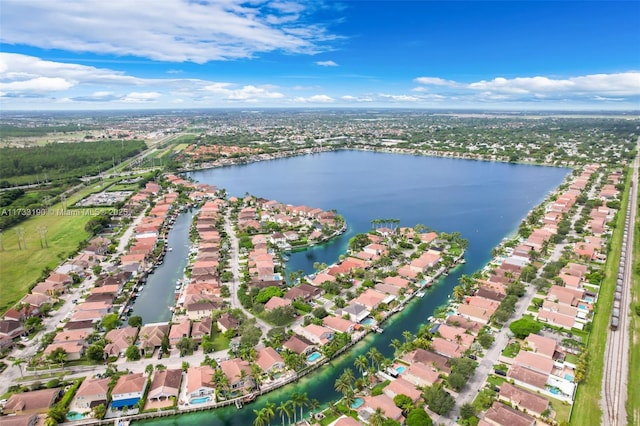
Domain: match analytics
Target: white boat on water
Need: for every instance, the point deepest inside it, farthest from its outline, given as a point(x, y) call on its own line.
point(420, 294)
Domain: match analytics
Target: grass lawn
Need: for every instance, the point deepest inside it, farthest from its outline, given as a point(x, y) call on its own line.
point(220, 342)
point(20, 269)
point(561, 408)
point(511, 350)
point(633, 385)
point(586, 407)
point(495, 380)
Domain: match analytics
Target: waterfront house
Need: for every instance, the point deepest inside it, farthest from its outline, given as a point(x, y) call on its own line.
point(238, 373)
point(165, 384)
point(408, 272)
point(456, 334)
point(317, 333)
point(502, 415)
point(119, 340)
point(338, 324)
point(305, 292)
point(200, 381)
point(200, 329)
point(371, 298)
point(129, 389)
point(447, 348)
point(298, 344)
point(91, 393)
point(322, 278)
point(426, 261)
point(402, 387)
point(421, 375)
point(179, 330)
point(471, 326)
point(523, 399)
point(31, 402)
point(474, 313)
point(355, 311)
point(396, 281)
point(428, 358)
point(386, 404)
point(269, 360)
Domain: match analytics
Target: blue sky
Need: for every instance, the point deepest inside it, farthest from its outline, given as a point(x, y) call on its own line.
point(513, 55)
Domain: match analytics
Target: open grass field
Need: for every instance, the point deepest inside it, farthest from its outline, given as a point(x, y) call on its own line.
point(586, 408)
point(633, 385)
point(20, 269)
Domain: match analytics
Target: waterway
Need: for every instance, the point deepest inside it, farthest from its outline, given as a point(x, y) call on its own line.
point(159, 291)
point(484, 201)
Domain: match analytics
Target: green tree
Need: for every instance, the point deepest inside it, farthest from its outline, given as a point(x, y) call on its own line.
point(186, 346)
point(285, 409)
point(403, 402)
point(99, 411)
point(524, 326)
point(418, 417)
point(132, 353)
point(467, 411)
point(95, 352)
point(377, 418)
point(135, 321)
point(437, 399)
point(456, 381)
point(110, 322)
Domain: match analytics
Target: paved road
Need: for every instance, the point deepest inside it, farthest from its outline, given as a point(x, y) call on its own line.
point(234, 262)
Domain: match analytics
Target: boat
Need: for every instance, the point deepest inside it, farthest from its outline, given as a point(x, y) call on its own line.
point(430, 319)
point(170, 249)
point(420, 294)
point(378, 329)
point(171, 308)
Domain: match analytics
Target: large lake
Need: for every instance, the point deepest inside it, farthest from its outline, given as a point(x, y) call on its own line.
point(484, 201)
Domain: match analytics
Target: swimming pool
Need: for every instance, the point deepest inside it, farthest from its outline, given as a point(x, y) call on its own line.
point(200, 400)
point(400, 369)
point(569, 377)
point(582, 306)
point(357, 403)
point(314, 357)
point(555, 391)
point(589, 299)
point(73, 416)
point(367, 321)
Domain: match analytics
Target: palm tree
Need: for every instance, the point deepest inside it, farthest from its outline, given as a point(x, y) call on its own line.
point(343, 383)
point(375, 357)
point(397, 347)
point(256, 373)
point(377, 418)
point(269, 410)
point(314, 404)
point(300, 400)
point(261, 418)
point(17, 362)
point(285, 409)
point(361, 364)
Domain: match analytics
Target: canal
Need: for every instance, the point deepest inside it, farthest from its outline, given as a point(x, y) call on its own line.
point(159, 292)
point(484, 201)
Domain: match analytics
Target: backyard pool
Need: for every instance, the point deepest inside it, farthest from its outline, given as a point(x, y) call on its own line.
point(200, 400)
point(568, 377)
point(400, 369)
point(589, 299)
point(555, 391)
point(314, 357)
point(357, 403)
point(367, 321)
point(72, 416)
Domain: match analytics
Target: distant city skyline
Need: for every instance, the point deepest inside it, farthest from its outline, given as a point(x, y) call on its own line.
point(503, 55)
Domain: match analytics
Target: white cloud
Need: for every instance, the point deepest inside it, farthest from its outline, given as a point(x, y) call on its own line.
point(167, 30)
point(315, 99)
point(36, 84)
point(245, 93)
point(138, 97)
point(436, 81)
point(326, 63)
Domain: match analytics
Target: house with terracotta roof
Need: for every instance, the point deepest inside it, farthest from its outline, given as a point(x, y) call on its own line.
point(151, 336)
point(238, 373)
point(227, 322)
point(119, 340)
point(317, 333)
point(299, 344)
point(474, 313)
point(400, 386)
point(338, 324)
point(371, 298)
point(428, 358)
point(541, 345)
point(201, 328)
point(426, 260)
point(421, 375)
point(165, 384)
point(91, 393)
point(447, 348)
point(179, 330)
point(556, 318)
point(276, 302)
point(346, 421)
point(386, 404)
point(11, 329)
point(396, 282)
point(202, 309)
point(455, 334)
point(534, 361)
point(73, 350)
point(502, 415)
point(129, 389)
point(322, 278)
point(200, 381)
point(269, 360)
point(21, 420)
point(522, 399)
point(31, 402)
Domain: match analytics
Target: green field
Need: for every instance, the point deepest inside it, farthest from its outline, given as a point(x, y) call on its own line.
point(20, 269)
point(586, 408)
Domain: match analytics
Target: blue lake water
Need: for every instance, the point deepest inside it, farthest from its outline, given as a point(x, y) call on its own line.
point(484, 201)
